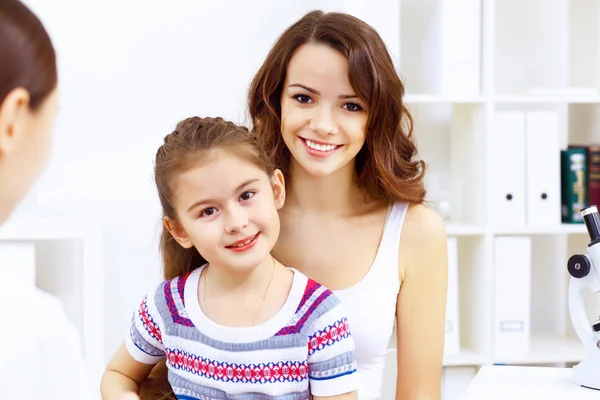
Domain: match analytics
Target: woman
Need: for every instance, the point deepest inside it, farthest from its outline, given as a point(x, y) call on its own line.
point(327, 105)
point(41, 356)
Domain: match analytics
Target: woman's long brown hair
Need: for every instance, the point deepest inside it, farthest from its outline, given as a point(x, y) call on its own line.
point(387, 166)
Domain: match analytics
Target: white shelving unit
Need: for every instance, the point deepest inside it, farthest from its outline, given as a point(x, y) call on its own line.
point(75, 247)
point(519, 55)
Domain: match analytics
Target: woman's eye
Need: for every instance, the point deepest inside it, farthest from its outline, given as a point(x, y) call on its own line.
point(302, 98)
point(208, 212)
point(247, 195)
point(352, 107)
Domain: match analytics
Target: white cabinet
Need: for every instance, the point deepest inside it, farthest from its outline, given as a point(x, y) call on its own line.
point(529, 59)
point(64, 257)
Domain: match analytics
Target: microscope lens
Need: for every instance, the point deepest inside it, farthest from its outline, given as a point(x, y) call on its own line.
point(592, 223)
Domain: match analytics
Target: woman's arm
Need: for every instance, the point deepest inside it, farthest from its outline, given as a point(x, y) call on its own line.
point(421, 308)
point(123, 375)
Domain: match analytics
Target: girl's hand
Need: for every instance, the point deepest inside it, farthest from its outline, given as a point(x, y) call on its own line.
point(130, 396)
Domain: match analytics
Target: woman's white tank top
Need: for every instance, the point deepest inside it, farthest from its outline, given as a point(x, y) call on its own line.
point(371, 307)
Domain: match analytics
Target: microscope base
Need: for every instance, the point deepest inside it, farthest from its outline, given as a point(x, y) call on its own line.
point(587, 373)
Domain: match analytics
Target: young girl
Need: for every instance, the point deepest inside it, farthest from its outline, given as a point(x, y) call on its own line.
point(230, 320)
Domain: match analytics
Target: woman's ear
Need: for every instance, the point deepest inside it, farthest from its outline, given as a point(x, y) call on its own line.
point(12, 111)
point(177, 232)
point(278, 183)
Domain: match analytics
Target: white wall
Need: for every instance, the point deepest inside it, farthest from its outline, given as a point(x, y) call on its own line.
point(129, 70)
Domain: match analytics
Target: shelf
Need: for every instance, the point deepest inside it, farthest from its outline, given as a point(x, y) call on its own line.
point(464, 358)
point(88, 231)
point(551, 99)
point(48, 228)
point(502, 99)
point(546, 350)
point(464, 230)
point(441, 99)
point(541, 230)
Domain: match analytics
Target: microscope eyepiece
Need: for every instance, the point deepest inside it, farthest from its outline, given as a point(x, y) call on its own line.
point(592, 223)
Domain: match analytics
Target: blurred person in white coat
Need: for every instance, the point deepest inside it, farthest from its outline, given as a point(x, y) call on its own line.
point(41, 355)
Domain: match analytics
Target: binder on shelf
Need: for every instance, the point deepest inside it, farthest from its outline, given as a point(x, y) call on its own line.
point(512, 295)
point(543, 167)
point(452, 336)
point(508, 168)
point(18, 259)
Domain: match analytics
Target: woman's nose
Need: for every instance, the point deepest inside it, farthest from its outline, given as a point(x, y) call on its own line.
point(324, 122)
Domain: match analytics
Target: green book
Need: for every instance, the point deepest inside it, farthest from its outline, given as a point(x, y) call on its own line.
point(574, 188)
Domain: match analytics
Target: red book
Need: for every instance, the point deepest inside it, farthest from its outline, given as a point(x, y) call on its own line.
point(594, 175)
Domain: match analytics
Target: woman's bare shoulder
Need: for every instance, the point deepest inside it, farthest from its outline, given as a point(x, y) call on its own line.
point(423, 233)
point(423, 221)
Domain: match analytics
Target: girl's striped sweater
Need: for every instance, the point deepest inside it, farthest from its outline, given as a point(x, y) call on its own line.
point(305, 349)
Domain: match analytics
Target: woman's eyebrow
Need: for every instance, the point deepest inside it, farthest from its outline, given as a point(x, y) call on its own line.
point(316, 92)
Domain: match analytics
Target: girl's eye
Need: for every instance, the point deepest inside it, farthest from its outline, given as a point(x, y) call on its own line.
point(208, 212)
point(302, 98)
point(247, 195)
point(352, 107)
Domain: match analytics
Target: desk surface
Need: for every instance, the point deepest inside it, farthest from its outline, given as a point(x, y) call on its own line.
point(507, 382)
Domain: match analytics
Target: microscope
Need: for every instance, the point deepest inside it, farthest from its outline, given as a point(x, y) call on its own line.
point(585, 276)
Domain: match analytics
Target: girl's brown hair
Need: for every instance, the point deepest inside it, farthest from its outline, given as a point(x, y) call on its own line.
point(27, 54)
point(183, 149)
point(387, 165)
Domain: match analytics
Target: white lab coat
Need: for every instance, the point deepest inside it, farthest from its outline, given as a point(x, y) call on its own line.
point(41, 350)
